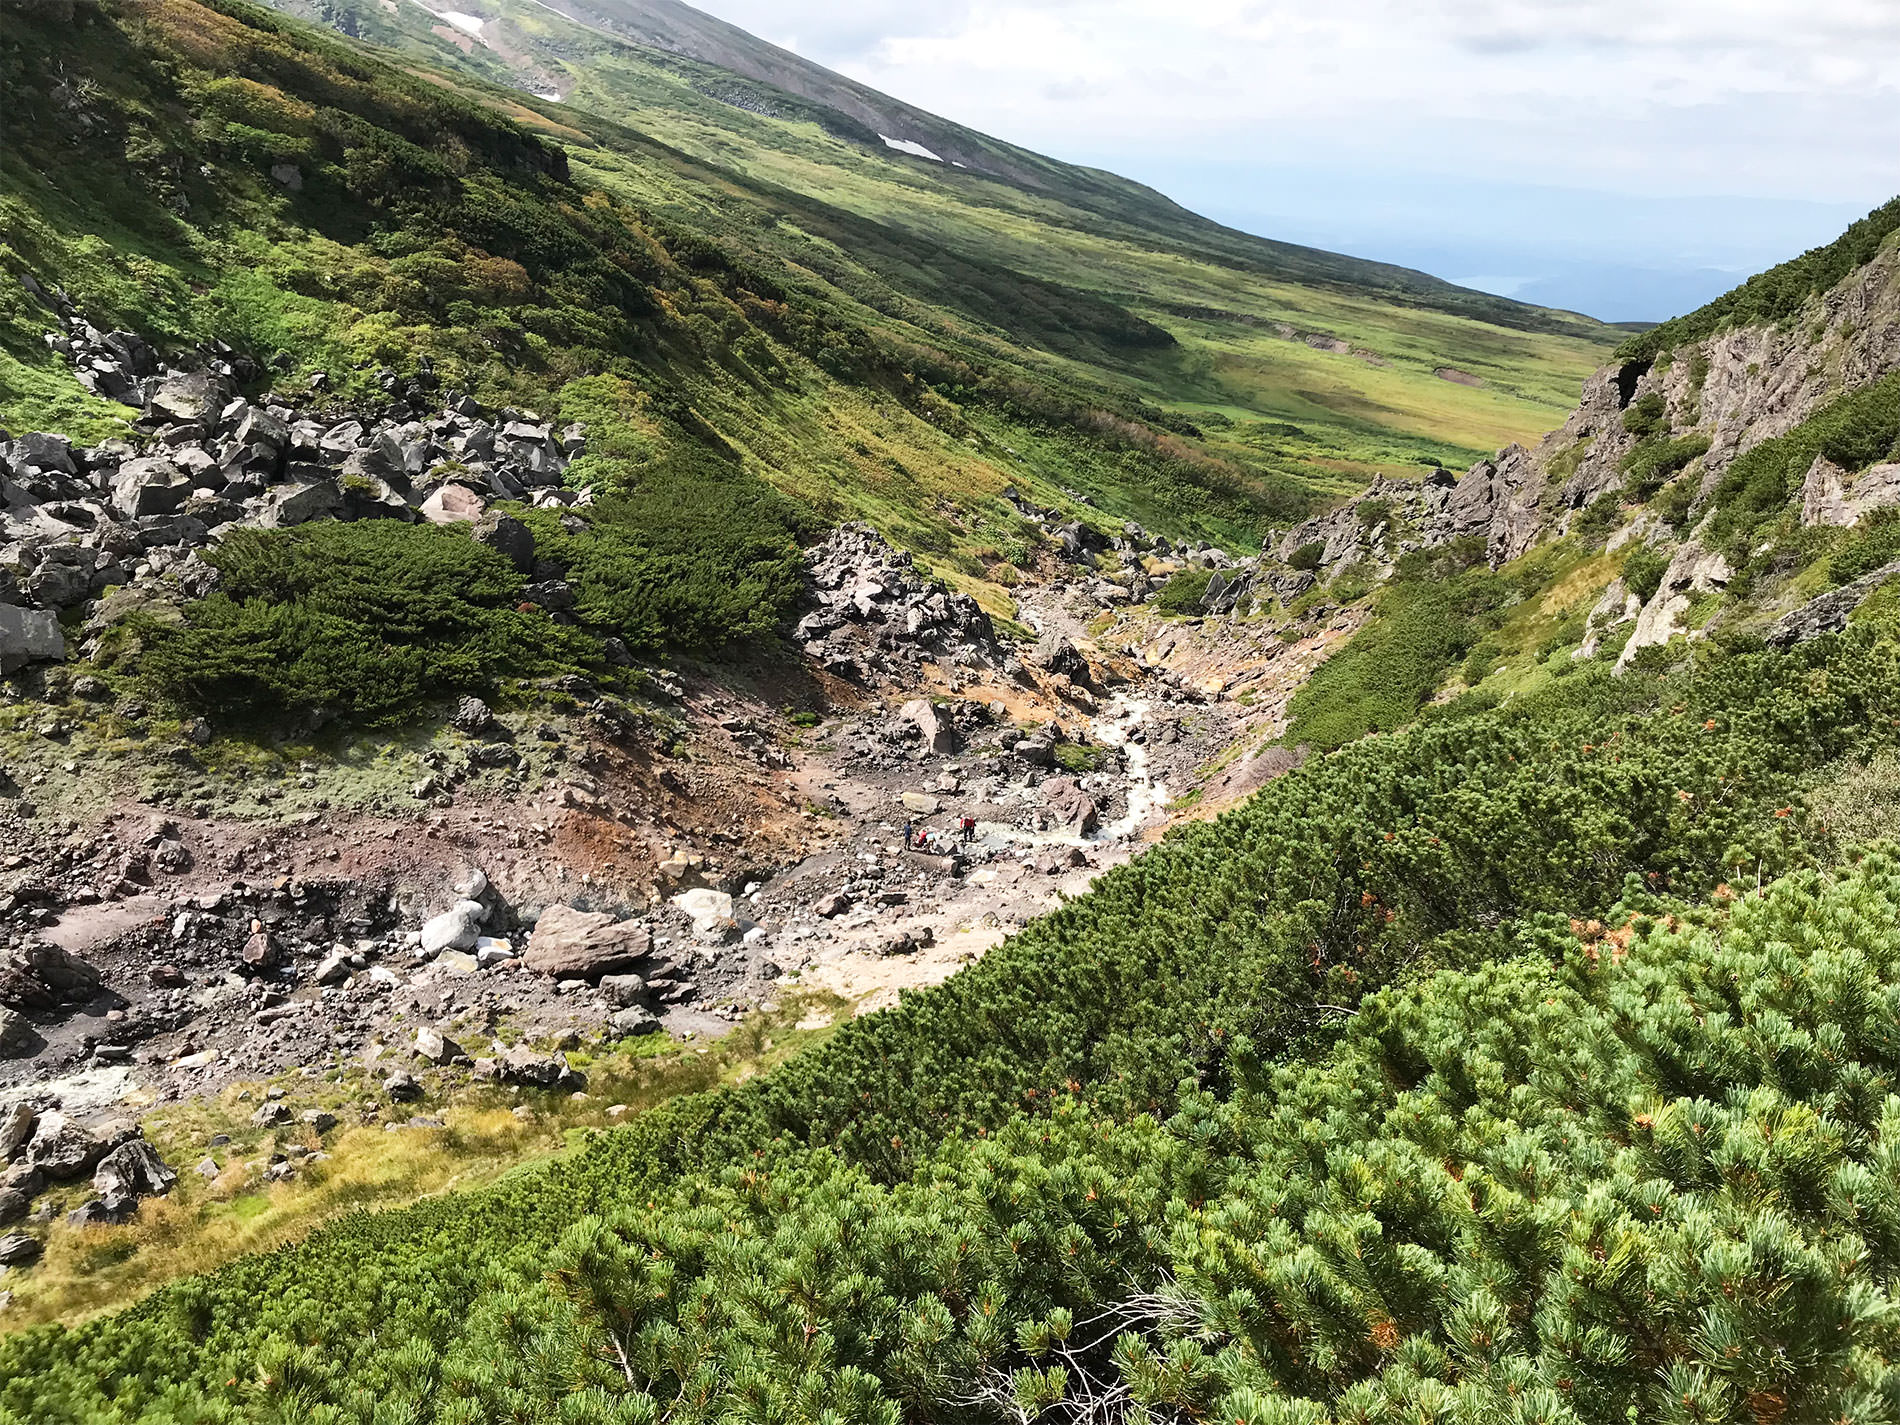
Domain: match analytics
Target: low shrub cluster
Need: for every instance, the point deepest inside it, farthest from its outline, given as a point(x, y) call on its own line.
point(1183, 593)
point(363, 620)
point(1431, 615)
point(1874, 543)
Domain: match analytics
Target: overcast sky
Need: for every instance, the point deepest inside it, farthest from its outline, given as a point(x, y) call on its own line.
point(1629, 158)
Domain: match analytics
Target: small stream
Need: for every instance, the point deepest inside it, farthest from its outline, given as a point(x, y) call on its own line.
point(1146, 797)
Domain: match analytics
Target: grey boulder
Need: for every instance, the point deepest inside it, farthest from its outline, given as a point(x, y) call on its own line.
point(299, 504)
point(454, 929)
point(931, 722)
point(634, 1020)
point(63, 1149)
point(29, 636)
point(16, 1127)
point(131, 1171)
point(17, 1249)
point(570, 944)
point(149, 485)
point(16, 1037)
point(1074, 809)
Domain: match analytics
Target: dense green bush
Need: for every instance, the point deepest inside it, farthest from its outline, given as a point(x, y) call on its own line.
point(1648, 418)
point(366, 620)
point(1675, 503)
point(1643, 570)
point(1598, 518)
point(1643, 1171)
point(1182, 594)
point(1385, 674)
point(1307, 557)
point(714, 565)
point(1654, 463)
point(1081, 1137)
point(1483, 657)
point(1424, 621)
point(1874, 543)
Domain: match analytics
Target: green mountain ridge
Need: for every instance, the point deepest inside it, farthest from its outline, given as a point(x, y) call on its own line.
point(1072, 353)
point(863, 115)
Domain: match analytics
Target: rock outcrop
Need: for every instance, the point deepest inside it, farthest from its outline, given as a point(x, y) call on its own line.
point(1829, 612)
point(1692, 570)
point(1733, 390)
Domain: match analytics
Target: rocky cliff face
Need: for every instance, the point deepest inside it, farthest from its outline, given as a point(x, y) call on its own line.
point(1737, 389)
point(1703, 405)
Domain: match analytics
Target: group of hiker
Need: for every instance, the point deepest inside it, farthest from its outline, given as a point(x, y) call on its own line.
point(919, 838)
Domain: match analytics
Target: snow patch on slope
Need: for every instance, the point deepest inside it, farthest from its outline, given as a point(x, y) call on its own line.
point(910, 146)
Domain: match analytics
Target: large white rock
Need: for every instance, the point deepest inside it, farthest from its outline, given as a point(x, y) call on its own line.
point(704, 905)
point(453, 504)
point(455, 929)
point(1693, 570)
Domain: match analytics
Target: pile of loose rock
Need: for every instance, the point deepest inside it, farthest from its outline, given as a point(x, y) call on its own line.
point(75, 522)
point(876, 620)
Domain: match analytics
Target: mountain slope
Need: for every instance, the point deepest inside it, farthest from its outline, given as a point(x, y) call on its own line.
point(1462, 1072)
point(853, 110)
point(1179, 1110)
point(406, 219)
point(1351, 352)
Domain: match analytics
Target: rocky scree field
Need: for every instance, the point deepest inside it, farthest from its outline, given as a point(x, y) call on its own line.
point(258, 855)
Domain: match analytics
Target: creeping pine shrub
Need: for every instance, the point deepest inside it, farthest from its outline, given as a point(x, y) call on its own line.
point(1853, 431)
point(1481, 660)
point(1080, 1154)
point(1373, 513)
point(1598, 518)
point(1647, 418)
point(693, 573)
point(1874, 543)
point(1437, 607)
point(1307, 557)
point(1643, 571)
point(685, 549)
point(1183, 593)
point(1652, 464)
point(1672, 506)
point(365, 620)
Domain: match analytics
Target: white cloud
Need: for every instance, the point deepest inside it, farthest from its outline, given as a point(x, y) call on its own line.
point(1793, 97)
